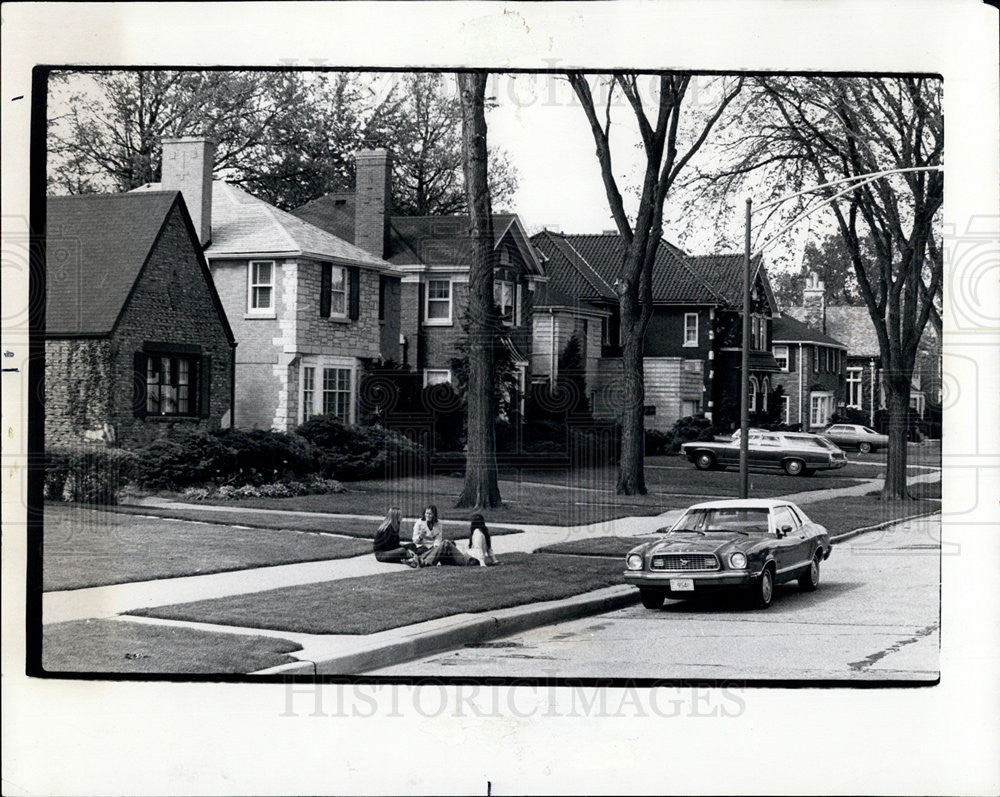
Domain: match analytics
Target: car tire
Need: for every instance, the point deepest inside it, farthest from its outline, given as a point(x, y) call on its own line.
point(763, 589)
point(651, 598)
point(704, 460)
point(809, 580)
point(865, 448)
point(795, 467)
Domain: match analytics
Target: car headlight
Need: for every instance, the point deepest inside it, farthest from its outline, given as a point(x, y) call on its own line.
point(737, 560)
point(634, 561)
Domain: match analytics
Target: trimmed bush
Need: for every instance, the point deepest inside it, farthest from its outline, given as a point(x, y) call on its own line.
point(361, 452)
point(90, 475)
point(184, 458)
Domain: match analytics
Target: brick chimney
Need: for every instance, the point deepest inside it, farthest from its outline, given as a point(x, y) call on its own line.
point(814, 303)
point(373, 169)
point(187, 167)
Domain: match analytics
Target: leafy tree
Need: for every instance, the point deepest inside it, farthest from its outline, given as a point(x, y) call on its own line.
point(832, 263)
point(658, 115)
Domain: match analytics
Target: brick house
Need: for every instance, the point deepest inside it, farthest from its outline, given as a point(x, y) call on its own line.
point(309, 309)
point(691, 354)
point(136, 339)
point(433, 254)
point(852, 325)
point(811, 373)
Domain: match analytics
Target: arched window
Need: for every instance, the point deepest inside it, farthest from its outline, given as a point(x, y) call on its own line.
point(765, 388)
point(753, 394)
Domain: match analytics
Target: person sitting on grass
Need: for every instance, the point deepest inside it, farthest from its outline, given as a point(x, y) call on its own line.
point(480, 546)
point(386, 544)
point(431, 546)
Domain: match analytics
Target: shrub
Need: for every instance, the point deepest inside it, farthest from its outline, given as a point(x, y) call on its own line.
point(361, 452)
point(685, 430)
point(263, 456)
point(657, 442)
point(90, 475)
point(183, 458)
point(196, 493)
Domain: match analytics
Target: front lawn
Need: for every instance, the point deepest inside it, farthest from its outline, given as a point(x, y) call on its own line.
point(115, 646)
point(89, 548)
point(370, 604)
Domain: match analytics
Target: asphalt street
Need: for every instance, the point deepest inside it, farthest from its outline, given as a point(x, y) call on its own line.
point(874, 616)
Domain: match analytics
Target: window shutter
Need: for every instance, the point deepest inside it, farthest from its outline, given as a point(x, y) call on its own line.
point(325, 279)
point(139, 385)
point(205, 386)
point(354, 275)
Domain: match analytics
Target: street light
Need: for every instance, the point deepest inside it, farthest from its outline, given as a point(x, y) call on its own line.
point(864, 179)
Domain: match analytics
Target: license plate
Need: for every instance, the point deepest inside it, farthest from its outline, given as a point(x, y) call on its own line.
point(682, 584)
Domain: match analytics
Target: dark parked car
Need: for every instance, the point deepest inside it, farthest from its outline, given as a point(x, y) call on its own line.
point(797, 453)
point(854, 435)
point(746, 545)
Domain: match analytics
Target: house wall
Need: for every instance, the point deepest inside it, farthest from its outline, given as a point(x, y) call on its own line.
point(665, 333)
point(89, 382)
point(389, 326)
point(561, 326)
point(668, 382)
point(342, 336)
point(824, 381)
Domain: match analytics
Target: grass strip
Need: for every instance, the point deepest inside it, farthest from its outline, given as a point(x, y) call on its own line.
point(369, 604)
point(116, 646)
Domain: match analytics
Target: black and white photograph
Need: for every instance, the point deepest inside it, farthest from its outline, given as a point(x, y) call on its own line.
point(619, 387)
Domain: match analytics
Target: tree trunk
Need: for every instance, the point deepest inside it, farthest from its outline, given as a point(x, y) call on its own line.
point(481, 488)
point(631, 475)
point(898, 404)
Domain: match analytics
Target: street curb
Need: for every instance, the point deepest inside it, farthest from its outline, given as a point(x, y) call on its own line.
point(856, 532)
point(471, 628)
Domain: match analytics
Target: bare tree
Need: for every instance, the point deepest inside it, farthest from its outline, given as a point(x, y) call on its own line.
point(791, 132)
point(660, 131)
point(481, 488)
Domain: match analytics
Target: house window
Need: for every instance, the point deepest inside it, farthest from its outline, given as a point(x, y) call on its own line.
point(820, 408)
point(917, 403)
point(170, 388)
point(815, 351)
point(504, 257)
point(690, 329)
point(753, 394)
point(765, 388)
point(308, 392)
point(786, 409)
point(437, 376)
point(689, 408)
point(781, 357)
point(338, 291)
point(261, 291)
point(337, 393)
point(381, 298)
point(503, 298)
point(438, 309)
point(854, 388)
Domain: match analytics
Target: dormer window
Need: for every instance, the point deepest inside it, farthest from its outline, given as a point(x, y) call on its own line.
point(505, 298)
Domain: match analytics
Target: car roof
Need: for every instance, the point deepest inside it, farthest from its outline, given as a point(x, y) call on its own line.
point(745, 503)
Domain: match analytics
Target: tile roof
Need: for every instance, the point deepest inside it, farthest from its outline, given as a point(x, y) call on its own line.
point(724, 273)
point(96, 245)
point(413, 240)
point(244, 225)
point(786, 329)
point(570, 277)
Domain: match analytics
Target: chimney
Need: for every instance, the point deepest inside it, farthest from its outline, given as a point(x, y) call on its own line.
point(814, 302)
point(373, 169)
point(187, 167)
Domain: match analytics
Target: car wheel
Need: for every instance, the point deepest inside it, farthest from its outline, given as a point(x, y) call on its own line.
point(704, 461)
point(865, 448)
point(651, 598)
point(809, 580)
point(795, 467)
point(763, 591)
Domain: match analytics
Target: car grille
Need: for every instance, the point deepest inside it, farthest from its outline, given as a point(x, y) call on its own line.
point(684, 561)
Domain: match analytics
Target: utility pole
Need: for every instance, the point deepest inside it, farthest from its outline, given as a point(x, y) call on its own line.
point(745, 369)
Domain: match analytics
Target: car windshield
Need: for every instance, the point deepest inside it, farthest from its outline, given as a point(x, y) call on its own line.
point(724, 520)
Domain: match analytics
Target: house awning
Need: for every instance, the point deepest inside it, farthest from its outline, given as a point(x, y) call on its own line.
point(515, 354)
point(763, 361)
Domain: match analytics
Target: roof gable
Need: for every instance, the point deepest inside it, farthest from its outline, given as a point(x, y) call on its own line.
point(787, 329)
point(95, 248)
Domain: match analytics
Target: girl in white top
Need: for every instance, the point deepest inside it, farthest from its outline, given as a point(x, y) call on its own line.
point(480, 546)
point(432, 547)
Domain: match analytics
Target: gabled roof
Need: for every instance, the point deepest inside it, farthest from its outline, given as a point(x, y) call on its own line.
point(243, 226)
point(415, 240)
point(786, 329)
point(570, 277)
point(724, 273)
point(95, 248)
point(849, 324)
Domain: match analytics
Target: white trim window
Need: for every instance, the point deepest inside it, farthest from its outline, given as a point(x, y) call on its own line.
point(326, 387)
point(765, 388)
point(437, 376)
point(690, 407)
point(781, 357)
point(690, 329)
point(338, 292)
point(820, 408)
point(753, 393)
point(786, 409)
point(308, 392)
point(917, 402)
point(854, 387)
point(437, 306)
point(260, 287)
point(504, 297)
point(337, 393)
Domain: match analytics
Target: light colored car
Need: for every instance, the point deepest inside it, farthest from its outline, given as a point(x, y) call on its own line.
point(796, 453)
point(854, 435)
point(747, 545)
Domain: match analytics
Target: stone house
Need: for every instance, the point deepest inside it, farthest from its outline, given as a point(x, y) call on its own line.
point(433, 254)
point(309, 310)
point(691, 354)
point(136, 337)
point(811, 373)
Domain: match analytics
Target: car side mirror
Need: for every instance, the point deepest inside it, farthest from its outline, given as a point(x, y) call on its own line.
point(784, 531)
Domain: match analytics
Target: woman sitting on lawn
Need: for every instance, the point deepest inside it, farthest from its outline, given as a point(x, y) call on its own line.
point(431, 546)
point(480, 546)
point(386, 544)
